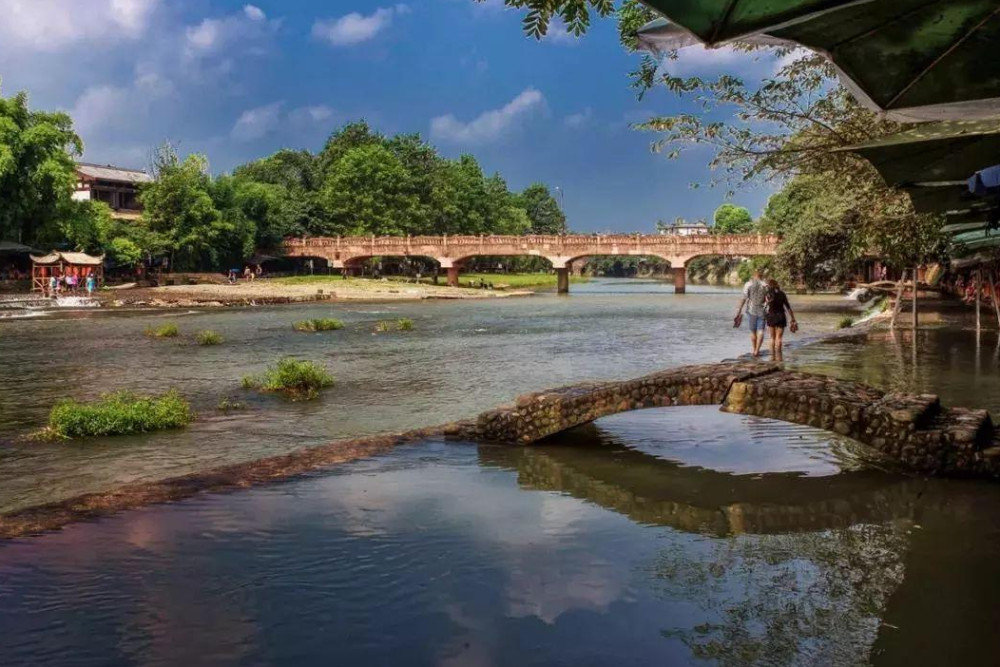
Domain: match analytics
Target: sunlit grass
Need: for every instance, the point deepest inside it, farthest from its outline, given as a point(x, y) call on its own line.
point(295, 378)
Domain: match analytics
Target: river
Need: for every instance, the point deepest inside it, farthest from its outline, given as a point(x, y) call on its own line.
point(673, 536)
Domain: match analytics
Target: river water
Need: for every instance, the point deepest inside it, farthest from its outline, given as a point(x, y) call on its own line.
point(673, 536)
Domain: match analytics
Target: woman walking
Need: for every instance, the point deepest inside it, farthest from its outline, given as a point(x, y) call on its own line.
point(776, 303)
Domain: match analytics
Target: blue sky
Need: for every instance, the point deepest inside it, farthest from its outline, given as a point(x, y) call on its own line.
point(237, 81)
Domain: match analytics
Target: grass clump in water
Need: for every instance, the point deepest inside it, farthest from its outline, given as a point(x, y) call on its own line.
point(297, 379)
point(845, 323)
point(404, 324)
point(383, 327)
point(168, 330)
point(119, 413)
point(320, 324)
point(209, 337)
point(227, 404)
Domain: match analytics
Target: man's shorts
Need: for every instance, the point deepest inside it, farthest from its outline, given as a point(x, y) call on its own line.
point(756, 322)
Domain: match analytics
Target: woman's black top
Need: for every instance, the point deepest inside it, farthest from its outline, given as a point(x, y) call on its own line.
point(777, 302)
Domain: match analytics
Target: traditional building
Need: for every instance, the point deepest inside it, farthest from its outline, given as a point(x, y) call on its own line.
point(682, 228)
point(115, 186)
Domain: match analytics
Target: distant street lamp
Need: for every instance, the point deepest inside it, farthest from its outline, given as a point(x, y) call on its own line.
point(562, 198)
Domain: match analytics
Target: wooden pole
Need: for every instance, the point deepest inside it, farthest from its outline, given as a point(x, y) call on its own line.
point(979, 288)
point(993, 291)
point(914, 299)
point(899, 300)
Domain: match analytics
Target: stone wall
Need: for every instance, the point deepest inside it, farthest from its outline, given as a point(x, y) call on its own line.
point(913, 430)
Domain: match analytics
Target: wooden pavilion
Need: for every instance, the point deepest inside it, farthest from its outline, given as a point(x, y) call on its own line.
point(60, 264)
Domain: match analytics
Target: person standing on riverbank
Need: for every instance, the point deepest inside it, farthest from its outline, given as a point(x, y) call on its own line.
point(754, 294)
point(776, 303)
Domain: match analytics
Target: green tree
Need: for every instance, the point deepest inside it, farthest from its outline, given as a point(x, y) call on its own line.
point(368, 191)
point(732, 219)
point(178, 206)
point(124, 252)
point(543, 210)
point(37, 170)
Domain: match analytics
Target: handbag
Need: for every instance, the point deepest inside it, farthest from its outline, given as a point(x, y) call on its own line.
point(738, 321)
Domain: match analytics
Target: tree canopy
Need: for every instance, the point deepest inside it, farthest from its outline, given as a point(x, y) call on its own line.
point(732, 219)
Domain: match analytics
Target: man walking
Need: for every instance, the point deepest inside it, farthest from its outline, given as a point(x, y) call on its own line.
point(754, 294)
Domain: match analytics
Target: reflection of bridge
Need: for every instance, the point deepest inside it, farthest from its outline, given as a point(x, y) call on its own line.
point(451, 252)
point(655, 491)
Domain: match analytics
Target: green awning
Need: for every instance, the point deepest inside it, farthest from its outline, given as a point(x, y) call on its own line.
point(716, 21)
point(934, 161)
point(919, 60)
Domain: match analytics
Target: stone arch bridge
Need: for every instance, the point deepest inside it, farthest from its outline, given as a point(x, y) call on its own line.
point(451, 252)
point(914, 431)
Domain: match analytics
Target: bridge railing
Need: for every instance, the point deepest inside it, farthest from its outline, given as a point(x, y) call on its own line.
point(601, 240)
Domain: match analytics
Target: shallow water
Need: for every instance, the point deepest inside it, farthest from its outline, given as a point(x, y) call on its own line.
point(671, 536)
point(461, 359)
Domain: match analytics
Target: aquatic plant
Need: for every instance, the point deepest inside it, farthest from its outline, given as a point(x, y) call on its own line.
point(320, 324)
point(119, 413)
point(383, 326)
point(208, 337)
point(846, 323)
point(227, 404)
point(298, 379)
point(404, 324)
point(168, 330)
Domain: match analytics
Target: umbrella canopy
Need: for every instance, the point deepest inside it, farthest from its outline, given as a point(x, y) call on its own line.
point(917, 60)
point(933, 161)
point(985, 182)
point(717, 21)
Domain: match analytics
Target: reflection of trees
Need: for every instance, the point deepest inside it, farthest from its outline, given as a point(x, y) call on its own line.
point(813, 598)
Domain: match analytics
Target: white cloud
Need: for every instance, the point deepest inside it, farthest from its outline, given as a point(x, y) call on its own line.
point(558, 34)
point(254, 124)
point(312, 114)
point(490, 125)
point(246, 30)
point(579, 120)
point(95, 106)
point(55, 25)
point(254, 13)
point(355, 28)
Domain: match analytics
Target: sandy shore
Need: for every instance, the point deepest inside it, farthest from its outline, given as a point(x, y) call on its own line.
point(266, 292)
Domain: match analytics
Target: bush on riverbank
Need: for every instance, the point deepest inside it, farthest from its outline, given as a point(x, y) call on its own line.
point(297, 379)
point(119, 413)
point(320, 324)
point(845, 323)
point(209, 337)
point(168, 330)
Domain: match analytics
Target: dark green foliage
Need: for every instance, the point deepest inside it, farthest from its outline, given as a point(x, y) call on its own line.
point(119, 413)
point(297, 379)
point(845, 323)
point(404, 324)
point(732, 219)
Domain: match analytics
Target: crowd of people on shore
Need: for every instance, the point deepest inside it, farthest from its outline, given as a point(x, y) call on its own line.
point(965, 286)
point(250, 274)
point(70, 285)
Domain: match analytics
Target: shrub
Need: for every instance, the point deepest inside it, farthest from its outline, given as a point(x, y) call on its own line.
point(845, 323)
point(209, 337)
point(119, 413)
point(383, 326)
point(168, 330)
point(404, 324)
point(297, 379)
point(324, 324)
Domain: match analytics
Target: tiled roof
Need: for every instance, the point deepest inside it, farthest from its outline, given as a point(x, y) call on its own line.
point(110, 173)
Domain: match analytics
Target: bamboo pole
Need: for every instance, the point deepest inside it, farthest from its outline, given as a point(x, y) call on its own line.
point(899, 300)
point(914, 276)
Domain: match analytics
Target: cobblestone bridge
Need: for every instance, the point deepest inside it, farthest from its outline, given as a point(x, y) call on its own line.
point(913, 430)
point(347, 253)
